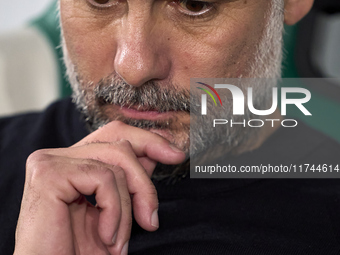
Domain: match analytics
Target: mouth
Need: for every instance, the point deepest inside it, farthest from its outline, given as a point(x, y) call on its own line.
point(145, 113)
point(167, 123)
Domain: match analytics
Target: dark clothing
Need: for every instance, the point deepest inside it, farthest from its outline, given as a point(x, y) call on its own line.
point(199, 216)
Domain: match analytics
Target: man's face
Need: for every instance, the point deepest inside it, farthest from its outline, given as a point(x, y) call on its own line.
point(150, 49)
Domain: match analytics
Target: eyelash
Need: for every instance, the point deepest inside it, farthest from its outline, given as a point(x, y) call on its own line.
point(99, 7)
point(212, 7)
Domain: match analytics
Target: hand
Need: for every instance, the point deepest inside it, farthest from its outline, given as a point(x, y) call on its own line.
point(115, 163)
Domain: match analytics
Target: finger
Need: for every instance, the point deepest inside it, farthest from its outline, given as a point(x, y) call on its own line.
point(53, 183)
point(84, 218)
point(144, 143)
point(91, 177)
point(122, 236)
point(145, 201)
point(148, 164)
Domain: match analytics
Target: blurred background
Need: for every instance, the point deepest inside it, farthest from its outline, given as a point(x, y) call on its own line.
point(16, 13)
point(31, 70)
point(32, 73)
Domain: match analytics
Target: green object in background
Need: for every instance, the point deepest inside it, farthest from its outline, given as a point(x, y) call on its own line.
point(289, 69)
point(323, 109)
point(48, 24)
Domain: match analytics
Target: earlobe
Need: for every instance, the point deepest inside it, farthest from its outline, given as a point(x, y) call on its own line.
point(295, 10)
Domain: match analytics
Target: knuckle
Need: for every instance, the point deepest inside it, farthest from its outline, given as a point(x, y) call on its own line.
point(37, 156)
point(97, 170)
point(107, 175)
point(121, 149)
point(124, 144)
point(85, 166)
point(38, 165)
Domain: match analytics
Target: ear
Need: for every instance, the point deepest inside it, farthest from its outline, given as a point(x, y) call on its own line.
point(296, 10)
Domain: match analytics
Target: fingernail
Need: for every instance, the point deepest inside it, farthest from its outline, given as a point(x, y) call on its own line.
point(154, 219)
point(114, 239)
point(125, 249)
point(174, 148)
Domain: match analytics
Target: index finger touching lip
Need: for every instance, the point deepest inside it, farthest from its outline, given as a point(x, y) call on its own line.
point(143, 142)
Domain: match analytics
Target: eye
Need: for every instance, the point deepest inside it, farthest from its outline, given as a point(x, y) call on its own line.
point(103, 3)
point(194, 8)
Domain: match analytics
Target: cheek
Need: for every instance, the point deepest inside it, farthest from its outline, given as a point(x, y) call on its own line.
point(91, 49)
point(227, 50)
point(92, 57)
point(224, 53)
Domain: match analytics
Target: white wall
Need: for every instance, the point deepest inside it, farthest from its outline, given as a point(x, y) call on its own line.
point(29, 78)
point(15, 13)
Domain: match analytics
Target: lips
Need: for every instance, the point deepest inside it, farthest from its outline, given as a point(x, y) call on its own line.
point(144, 113)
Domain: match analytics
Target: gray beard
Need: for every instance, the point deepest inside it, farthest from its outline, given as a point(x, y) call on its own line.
point(113, 90)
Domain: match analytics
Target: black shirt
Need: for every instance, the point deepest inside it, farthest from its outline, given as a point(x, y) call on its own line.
point(199, 216)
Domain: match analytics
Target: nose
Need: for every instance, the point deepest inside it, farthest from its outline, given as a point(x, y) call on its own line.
point(141, 55)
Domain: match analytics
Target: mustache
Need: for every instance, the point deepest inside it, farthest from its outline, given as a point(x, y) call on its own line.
point(151, 96)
